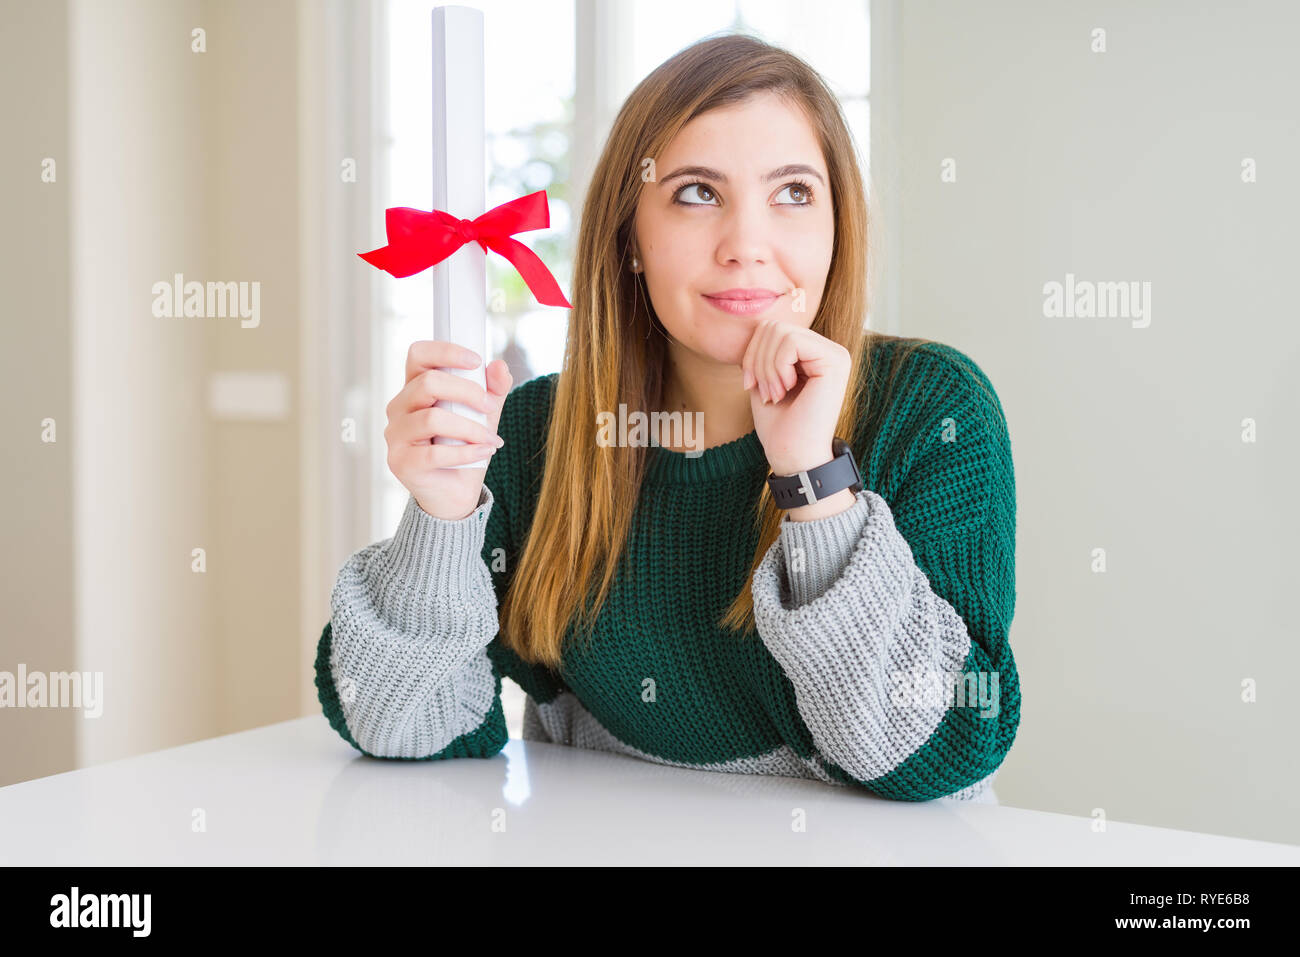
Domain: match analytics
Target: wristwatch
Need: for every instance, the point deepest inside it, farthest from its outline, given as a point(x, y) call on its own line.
point(804, 488)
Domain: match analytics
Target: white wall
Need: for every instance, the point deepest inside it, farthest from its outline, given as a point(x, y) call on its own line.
point(1126, 165)
point(251, 118)
point(169, 161)
point(136, 175)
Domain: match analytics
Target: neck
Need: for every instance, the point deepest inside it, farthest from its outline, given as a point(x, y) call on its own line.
point(714, 389)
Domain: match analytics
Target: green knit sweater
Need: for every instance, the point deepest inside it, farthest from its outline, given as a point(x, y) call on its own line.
point(881, 660)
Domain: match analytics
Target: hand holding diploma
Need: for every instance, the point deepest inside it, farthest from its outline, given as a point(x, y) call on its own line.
point(446, 479)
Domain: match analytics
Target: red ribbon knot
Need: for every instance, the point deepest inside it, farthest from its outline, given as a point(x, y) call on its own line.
point(418, 239)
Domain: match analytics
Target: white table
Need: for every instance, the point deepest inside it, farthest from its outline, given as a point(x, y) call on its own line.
point(296, 793)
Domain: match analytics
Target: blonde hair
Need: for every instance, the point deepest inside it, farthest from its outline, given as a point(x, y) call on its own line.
point(614, 353)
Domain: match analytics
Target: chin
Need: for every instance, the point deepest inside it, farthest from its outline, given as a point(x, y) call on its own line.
point(730, 357)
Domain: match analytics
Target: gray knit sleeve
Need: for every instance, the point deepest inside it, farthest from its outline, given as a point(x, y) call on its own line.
point(411, 620)
point(843, 608)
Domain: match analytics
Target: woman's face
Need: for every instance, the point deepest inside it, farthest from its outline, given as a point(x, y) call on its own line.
point(743, 222)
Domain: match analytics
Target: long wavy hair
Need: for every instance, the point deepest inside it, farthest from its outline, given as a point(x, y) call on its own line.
point(616, 347)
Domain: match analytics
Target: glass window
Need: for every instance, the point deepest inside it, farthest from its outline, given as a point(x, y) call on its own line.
point(528, 106)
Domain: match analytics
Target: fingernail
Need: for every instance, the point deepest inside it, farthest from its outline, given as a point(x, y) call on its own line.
point(762, 392)
point(471, 356)
point(500, 441)
point(749, 379)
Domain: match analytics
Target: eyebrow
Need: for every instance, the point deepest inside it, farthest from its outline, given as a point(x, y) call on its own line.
point(708, 172)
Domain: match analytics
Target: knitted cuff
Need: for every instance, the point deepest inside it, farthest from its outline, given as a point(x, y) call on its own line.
point(817, 552)
point(425, 549)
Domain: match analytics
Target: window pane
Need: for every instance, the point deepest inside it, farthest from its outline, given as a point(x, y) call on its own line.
point(833, 35)
point(662, 27)
point(528, 103)
point(858, 114)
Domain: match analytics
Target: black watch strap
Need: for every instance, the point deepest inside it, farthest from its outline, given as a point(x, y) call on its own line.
point(804, 488)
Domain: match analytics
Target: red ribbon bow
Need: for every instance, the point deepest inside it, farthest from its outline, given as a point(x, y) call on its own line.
point(418, 240)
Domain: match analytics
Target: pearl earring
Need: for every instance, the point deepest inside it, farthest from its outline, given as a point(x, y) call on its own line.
point(636, 264)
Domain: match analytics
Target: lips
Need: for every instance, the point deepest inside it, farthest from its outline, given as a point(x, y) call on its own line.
point(742, 294)
point(742, 302)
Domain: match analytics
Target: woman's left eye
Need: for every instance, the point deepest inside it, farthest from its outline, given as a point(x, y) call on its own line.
point(802, 194)
point(701, 187)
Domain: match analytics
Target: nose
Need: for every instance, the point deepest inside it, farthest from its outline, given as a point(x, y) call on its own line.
point(746, 234)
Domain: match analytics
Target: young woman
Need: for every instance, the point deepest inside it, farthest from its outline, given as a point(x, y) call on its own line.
point(658, 597)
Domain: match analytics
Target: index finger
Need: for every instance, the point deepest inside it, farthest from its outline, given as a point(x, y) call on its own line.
point(749, 361)
point(428, 354)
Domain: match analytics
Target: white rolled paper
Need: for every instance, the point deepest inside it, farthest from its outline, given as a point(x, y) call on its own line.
point(459, 188)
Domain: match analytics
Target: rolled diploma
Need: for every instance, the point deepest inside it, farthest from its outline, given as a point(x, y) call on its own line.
point(460, 280)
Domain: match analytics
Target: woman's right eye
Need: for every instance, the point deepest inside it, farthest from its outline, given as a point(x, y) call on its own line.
point(696, 186)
